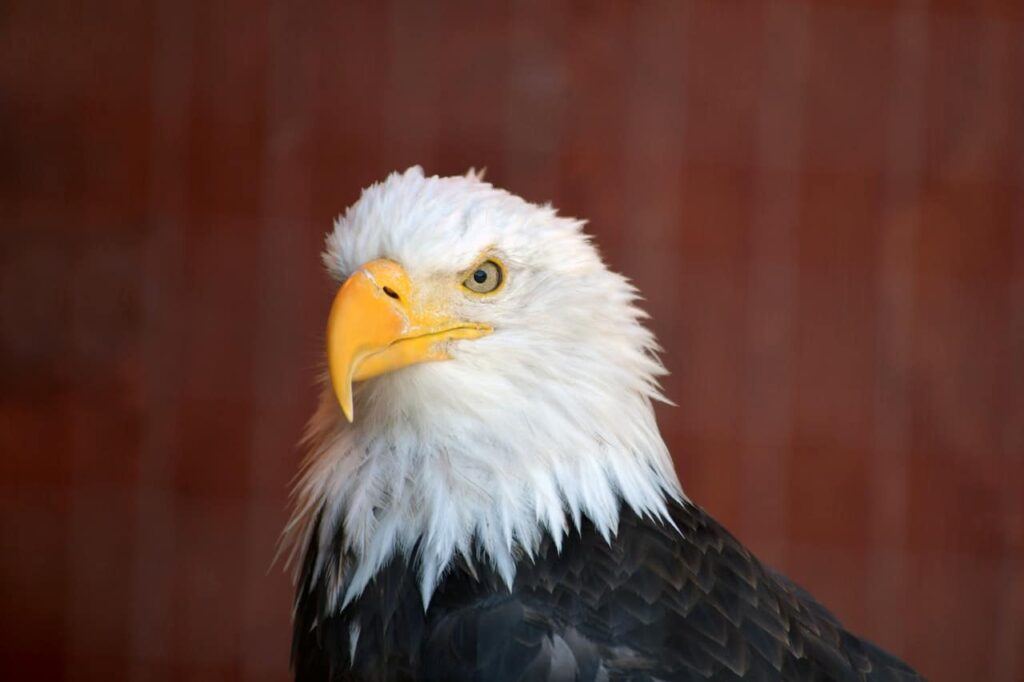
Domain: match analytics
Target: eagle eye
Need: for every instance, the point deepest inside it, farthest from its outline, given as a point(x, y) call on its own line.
point(485, 278)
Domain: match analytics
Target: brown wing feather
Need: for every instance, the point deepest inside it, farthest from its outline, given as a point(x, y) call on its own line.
point(655, 604)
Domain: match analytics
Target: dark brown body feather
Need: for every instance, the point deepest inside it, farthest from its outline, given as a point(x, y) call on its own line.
point(655, 604)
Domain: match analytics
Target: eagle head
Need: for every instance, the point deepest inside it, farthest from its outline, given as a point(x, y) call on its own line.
point(489, 382)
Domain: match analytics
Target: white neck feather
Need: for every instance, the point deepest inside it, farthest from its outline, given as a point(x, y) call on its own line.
point(427, 464)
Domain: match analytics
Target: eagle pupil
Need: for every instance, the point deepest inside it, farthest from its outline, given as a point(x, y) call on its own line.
point(479, 276)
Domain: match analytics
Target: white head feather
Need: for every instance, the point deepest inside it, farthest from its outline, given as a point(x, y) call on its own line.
point(523, 432)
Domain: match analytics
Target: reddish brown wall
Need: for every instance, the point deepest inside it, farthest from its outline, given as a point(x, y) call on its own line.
point(823, 204)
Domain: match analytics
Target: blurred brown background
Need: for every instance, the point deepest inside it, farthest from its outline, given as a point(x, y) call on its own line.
point(823, 204)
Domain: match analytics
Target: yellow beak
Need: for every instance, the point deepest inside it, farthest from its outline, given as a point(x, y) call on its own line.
point(379, 323)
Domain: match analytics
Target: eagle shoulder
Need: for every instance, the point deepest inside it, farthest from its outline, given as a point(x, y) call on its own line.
point(662, 601)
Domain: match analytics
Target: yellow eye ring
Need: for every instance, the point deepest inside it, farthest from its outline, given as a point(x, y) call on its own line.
point(485, 278)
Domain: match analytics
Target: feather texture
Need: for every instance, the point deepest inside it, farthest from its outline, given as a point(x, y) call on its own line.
point(655, 603)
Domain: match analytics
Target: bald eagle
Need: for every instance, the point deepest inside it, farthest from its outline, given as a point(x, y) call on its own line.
point(487, 495)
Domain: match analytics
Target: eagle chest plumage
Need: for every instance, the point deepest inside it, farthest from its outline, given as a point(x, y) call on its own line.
point(655, 603)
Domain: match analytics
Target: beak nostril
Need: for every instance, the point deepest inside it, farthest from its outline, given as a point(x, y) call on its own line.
point(391, 292)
